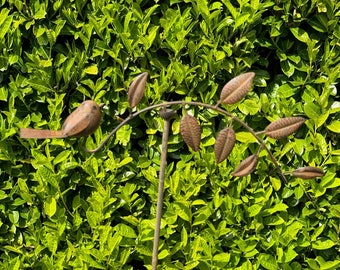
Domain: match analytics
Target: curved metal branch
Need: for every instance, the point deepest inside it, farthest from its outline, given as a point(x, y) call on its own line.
point(194, 103)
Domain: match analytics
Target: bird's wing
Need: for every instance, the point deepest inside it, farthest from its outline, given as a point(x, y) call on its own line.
point(75, 124)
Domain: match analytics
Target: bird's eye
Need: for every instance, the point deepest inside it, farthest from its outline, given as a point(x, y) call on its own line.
point(94, 107)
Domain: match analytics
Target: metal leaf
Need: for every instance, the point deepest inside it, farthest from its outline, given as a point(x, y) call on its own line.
point(237, 88)
point(246, 167)
point(136, 89)
point(191, 131)
point(284, 127)
point(308, 172)
point(224, 144)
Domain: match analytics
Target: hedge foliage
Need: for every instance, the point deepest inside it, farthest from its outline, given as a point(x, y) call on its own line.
point(61, 208)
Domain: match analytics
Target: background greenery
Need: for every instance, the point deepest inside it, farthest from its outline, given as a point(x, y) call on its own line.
point(61, 208)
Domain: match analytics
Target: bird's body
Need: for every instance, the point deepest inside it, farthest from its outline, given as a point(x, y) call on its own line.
point(82, 122)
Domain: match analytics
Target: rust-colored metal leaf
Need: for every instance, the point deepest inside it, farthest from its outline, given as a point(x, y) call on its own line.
point(136, 89)
point(224, 144)
point(284, 127)
point(237, 88)
point(308, 172)
point(246, 167)
point(191, 131)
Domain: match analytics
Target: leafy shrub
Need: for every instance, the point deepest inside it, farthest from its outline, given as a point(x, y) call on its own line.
point(63, 208)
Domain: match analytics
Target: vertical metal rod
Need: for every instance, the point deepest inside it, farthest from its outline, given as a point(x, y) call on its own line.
point(164, 151)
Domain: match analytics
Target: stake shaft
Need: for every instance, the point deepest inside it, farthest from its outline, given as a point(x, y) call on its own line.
point(164, 151)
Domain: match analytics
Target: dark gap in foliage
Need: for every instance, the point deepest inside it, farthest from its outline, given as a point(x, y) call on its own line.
point(137, 264)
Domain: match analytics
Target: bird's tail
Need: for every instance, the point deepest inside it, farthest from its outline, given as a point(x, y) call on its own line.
point(28, 133)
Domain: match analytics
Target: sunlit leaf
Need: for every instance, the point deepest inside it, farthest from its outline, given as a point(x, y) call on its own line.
point(300, 34)
point(334, 126)
point(323, 244)
point(92, 70)
point(50, 206)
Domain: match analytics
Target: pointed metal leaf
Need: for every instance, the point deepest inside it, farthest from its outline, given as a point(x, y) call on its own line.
point(237, 88)
point(191, 131)
point(284, 127)
point(224, 144)
point(246, 167)
point(136, 89)
point(308, 172)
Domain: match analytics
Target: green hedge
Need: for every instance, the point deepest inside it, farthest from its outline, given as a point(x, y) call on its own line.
point(61, 208)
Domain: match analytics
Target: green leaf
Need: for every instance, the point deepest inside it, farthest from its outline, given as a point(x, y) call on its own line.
point(222, 259)
point(254, 210)
point(312, 110)
point(3, 93)
point(163, 254)
point(313, 264)
point(50, 206)
point(86, 257)
point(62, 156)
point(249, 107)
point(184, 237)
point(241, 19)
point(329, 265)
point(125, 161)
point(276, 183)
point(125, 230)
point(6, 24)
point(286, 90)
point(274, 220)
point(39, 87)
point(123, 135)
point(92, 70)
point(182, 210)
point(317, 232)
point(41, 13)
point(276, 208)
point(202, 215)
point(300, 34)
point(291, 231)
point(3, 194)
point(14, 217)
point(288, 68)
point(288, 255)
point(13, 249)
point(93, 218)
point(322, 119)
point(335, 209)
point(267, 261)
point(245, 137)
point(3, 15)
point(334, 126)
point(323, 244)
point(231, 8)
point(335, 107)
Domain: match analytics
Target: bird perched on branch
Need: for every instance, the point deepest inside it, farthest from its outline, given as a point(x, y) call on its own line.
point(82, 122)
